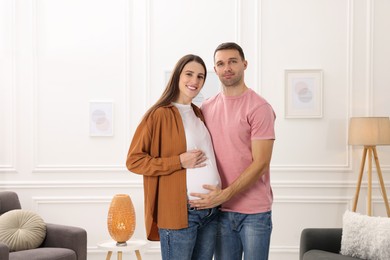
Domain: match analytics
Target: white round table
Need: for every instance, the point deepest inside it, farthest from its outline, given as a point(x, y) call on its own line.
point(132, 245)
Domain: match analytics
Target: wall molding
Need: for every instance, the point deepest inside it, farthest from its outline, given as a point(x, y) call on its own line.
point(20, 185)
point(313, 200)
point(147, 52)
point(285, 249)
point(79, 168)
point(43, 168)
point(10, 167)
point(313, 168)
point(258, 44)
point(148, 26)
point(139, 184)
point(318, 184)
point(336, 168)
point(57, 200)
point(370, 56)
point(127, 73)
point(238, 22)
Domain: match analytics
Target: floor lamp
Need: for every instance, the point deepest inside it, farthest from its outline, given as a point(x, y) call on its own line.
point(369, 132)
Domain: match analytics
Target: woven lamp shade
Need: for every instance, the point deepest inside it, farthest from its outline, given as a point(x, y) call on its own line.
point(121, 219)
point(369, 131)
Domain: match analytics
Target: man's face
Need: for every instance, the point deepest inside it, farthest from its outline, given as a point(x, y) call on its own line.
point(229, 67)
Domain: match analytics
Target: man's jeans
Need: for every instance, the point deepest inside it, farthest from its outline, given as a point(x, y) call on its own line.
point(197, 242)
point(248, 233)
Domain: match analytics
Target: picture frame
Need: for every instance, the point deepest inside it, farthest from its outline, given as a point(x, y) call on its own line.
point(101, 118)
point(304, 93)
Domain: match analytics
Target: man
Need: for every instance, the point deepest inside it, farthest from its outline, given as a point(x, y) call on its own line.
point(241, 124)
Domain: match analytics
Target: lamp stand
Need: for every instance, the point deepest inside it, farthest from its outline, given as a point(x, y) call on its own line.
point(371, 151)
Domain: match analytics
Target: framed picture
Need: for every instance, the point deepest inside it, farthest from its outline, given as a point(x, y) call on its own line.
point(303, 93)
point(101, 118)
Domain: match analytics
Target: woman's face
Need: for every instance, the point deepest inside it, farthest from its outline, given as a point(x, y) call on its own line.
point(191, 82)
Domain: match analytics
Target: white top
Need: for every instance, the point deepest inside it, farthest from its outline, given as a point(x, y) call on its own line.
point(198, 137)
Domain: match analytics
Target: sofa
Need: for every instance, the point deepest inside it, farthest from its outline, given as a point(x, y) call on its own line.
point(60, 241)
point(321, 244)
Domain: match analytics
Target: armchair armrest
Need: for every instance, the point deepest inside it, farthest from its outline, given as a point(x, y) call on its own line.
point(74, 238)
point(326, 239)
point(4, 251)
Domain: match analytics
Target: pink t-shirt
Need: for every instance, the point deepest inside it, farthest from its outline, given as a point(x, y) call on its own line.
point(233, 122)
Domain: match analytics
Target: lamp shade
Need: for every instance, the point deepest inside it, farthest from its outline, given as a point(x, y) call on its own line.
point(369, 131)
point(121, 219)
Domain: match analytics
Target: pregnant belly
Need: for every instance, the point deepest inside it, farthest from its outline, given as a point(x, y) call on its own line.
point(196, 178)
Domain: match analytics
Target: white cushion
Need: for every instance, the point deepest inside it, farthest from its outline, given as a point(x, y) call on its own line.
point(365, 237)
point(22, 230)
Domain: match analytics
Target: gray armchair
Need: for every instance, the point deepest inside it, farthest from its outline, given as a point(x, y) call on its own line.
point(61, 242)
point(321, 243)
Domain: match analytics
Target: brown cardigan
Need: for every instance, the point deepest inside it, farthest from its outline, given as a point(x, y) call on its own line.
point(154, 153)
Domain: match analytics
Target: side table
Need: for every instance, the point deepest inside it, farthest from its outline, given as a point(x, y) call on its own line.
point(132, 245)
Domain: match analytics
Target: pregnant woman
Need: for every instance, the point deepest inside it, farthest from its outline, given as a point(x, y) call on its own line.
point(173, 151)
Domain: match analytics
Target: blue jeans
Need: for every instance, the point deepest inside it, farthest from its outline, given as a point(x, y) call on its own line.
point(197, 242)
point(243, 233)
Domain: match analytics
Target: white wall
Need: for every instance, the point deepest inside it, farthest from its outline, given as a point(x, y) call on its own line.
point(57, 56)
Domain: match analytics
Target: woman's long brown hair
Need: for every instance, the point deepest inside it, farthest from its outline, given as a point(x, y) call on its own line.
point(172, 90)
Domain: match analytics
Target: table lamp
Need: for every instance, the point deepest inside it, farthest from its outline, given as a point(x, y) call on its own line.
point(121, 219)
point(369, 132)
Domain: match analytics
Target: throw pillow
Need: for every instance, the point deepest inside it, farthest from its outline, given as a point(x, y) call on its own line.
point(365, 237)
point(22, 230)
